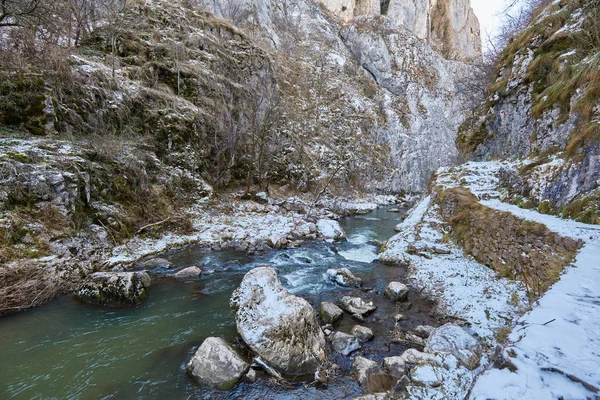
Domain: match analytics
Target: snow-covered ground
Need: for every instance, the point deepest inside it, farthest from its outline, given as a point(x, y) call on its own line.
point(555, 346)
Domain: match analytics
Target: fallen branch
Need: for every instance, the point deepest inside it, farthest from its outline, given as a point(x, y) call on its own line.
point(154, 224)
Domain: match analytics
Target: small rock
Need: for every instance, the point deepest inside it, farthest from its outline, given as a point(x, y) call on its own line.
point(357, 306)
point(424, 331)
point(370, 377)
point(156, 263)
point(363, 333)
point(252, 375)
point(399, 317)
point(343, 343)
point(330, 313)
point(188, 273)
point(394, 210)
point(216, 364)
point(397, 291)
point(343, 277)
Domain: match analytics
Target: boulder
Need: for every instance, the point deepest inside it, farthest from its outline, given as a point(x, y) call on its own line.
point(425, 375)
point(343, 277)
point(396, 366)
point(216, 364)
point(370, 377)
point(276, 325)
point(452, 339)
point(357, 306)
point(114, 289)
point(424, 331)
point(330, 229)
point(416, 357)
point(188, 273)
point(397, 291)
point(363, 333)
point(343, 343)
point(330, 313)
point(156, 263)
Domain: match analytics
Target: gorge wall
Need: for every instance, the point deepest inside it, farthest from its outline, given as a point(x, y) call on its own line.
point(449, 26)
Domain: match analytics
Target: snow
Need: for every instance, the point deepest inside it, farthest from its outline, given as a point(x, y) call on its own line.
point(555, 346)
point(561, 332)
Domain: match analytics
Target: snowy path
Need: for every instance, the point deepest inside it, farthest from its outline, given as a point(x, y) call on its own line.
point(558, 342)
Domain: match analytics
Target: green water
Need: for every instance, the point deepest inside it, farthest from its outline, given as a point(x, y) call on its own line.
point(68, 350)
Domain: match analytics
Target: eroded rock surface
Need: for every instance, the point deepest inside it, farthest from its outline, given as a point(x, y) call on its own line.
point(114, 289)
point(278, 326)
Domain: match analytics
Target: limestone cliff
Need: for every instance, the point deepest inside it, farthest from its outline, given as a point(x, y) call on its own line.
point(449, 26)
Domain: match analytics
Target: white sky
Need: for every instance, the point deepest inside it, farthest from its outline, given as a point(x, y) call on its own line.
point(487, 12)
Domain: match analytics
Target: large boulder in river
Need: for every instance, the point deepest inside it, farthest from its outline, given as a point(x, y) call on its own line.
point(114, 289)
point(216, 364)
point(278, 326)
point(330, 229)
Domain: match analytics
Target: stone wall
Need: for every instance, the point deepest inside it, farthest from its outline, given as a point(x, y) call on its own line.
point(514, 248)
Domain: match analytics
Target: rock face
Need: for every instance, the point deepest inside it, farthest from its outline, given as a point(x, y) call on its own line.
point(449, 26)
point(279, 327)
point(397, 291)
point(452, 339)
point(216, 364)
point(114, 289)
point(343, 277)
point(425, 93)
point(330, 313)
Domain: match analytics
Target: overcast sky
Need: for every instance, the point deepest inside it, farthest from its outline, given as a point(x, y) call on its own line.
point(487, 12)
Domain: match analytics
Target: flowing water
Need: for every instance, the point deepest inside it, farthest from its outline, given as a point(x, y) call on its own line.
point(68, 350)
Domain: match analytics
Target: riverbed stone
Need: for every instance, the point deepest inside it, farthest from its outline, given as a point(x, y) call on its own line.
point(330, 229)
point(370, 377)
point(363, 333)
point(114, 289)
point(188, 273)
point(279, 327)
point(343, 277)
point(344, 343)
point(330, 313)
point(216, 364)
point(156, 263)
point(424, 331)
point(452, 339)
point(396, 366)
point(416, 357)
point(357, 306)
point(397, 291)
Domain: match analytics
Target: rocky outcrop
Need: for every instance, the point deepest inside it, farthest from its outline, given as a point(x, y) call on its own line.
point(216, 364)
point(279, 327)
point(424, 93)
point(114, 289)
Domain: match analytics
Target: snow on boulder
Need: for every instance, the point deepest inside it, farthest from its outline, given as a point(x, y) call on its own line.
point(216, 364)
point(343, 277)
point(330, 229)
point(344, 343)
point(452, 339)
point(114, 289)
point(357, 306)
point(397, 291)
point(279, 327)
